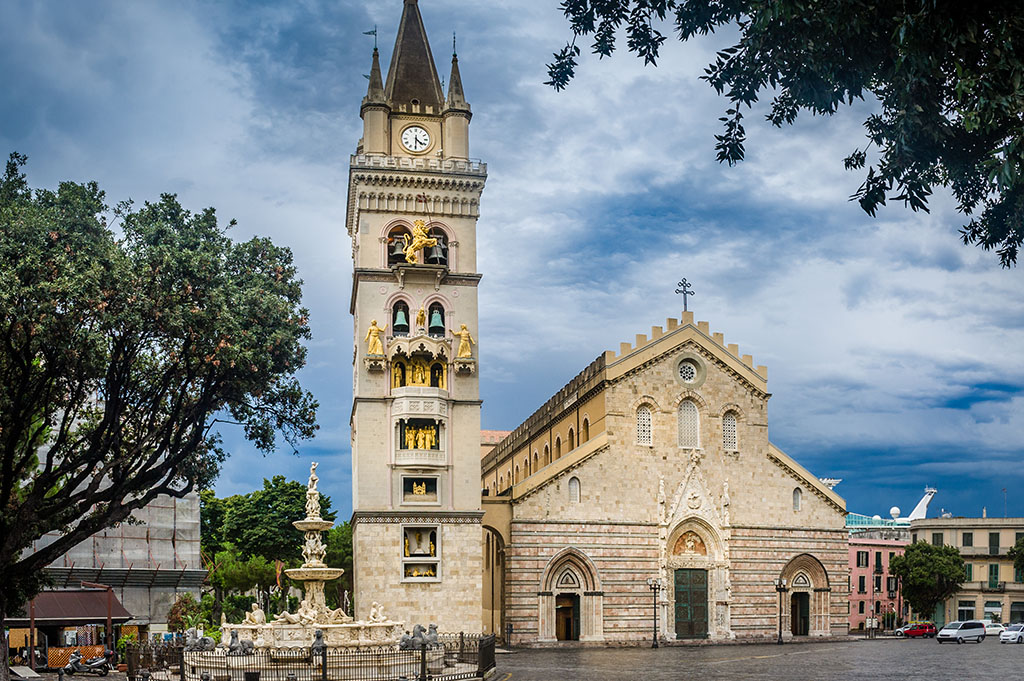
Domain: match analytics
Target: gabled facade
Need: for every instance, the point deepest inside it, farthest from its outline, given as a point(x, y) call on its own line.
point(654, 463)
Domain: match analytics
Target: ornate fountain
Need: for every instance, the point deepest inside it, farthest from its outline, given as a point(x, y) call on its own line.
point(300, 628)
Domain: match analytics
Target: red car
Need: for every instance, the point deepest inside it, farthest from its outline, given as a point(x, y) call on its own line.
point(922, 629)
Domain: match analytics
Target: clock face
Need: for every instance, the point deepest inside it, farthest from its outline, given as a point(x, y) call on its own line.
point(415, 138)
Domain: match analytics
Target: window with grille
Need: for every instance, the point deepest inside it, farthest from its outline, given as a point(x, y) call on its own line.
point(862, 559)
point(643, 425)
point(688, 371)
point(689, 424)
point(574, 490)
point(729, 432)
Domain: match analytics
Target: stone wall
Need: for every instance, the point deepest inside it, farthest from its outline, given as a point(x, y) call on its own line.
point(452, 602)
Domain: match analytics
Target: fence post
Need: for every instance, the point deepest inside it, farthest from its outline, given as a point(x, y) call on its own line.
point(323, 664)
point(181, 663)
point(462, 646)
point(423, 661)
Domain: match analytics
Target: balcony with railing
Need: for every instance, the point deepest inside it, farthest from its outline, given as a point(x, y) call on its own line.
point(472, 166)
point(420, 457)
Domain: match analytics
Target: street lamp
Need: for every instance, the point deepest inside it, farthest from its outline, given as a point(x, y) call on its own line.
point(780, 587)
point(655, 586)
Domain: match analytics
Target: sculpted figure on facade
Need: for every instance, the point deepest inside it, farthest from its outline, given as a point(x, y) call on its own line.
point(420, 240)
point(421, 318)
point(374, 345)
point(465, 342)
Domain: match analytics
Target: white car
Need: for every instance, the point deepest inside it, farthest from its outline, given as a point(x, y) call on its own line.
point(994, 628)
point(962, 631)
point(1013, 634)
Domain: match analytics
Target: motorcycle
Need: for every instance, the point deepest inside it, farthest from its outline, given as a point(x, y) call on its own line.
point(101, 664)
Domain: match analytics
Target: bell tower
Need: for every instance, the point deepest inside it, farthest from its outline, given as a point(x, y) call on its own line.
point(413, 204)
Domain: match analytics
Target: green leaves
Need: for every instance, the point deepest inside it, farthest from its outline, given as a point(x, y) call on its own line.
point(122, 354)
point(947, 77)
point(929, 575)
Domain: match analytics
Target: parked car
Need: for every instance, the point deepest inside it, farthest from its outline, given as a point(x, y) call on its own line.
point(1013, 634)
point(994, 628)
point(962, 631)
point(920, 630)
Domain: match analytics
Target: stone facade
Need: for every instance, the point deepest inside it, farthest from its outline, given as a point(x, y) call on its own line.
point(660, 468)
point(994, 589)
point(414, 198)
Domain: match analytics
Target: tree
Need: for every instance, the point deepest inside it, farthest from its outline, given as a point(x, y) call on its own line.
point(946, 75)
point(928, 574)
point(184, 614)
point(339, 554)
point(1016, 554)
point(121, 354)
point(260, 523)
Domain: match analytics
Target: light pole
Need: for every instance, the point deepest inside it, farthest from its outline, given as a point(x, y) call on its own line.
point(780, 587)
point(655, 586)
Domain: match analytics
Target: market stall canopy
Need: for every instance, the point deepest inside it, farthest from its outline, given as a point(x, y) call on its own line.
point(72, 607)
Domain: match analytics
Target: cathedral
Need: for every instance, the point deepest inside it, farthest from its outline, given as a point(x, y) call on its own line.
point(644, 490)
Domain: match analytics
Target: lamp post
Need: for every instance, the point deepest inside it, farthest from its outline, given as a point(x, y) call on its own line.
point(655, 586)
point(780, 587)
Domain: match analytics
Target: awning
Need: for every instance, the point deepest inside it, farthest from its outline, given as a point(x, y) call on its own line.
point(72, 607)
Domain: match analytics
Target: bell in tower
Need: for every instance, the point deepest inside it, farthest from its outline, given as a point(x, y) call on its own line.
point(436, 327)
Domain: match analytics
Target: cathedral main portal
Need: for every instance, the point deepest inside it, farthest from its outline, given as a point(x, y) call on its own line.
point(691, 588)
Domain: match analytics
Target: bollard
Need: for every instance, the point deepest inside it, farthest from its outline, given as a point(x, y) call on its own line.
point(60, 674)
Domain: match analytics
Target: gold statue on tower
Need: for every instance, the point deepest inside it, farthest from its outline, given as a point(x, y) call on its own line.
point(420, 240)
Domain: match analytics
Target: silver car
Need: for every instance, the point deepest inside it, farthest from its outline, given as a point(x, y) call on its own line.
point(1013, 634)
point(972, 630)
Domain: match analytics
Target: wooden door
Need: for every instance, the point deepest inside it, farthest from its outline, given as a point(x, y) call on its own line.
point(691, 603)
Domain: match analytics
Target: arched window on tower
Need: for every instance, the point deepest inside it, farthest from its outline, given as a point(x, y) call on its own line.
point(574, 490)
point(435, 320)
point(558, 448)
point(526, 467)
point(585, 431)
point(729, 441)
point(395, 244)
point(547, 455)
point(689, 424)
point(400, 319)
point(438, 253)
point(438, 378)
point(797, 498)
point(518, 476)
point(572, 440)
point(643, 425)
point(536, 461)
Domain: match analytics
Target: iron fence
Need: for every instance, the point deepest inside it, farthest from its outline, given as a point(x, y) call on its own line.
point(455, 656)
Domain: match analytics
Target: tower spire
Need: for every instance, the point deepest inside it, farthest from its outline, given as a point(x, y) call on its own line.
point(456, 97)
point(412, 77)
point(375, 90)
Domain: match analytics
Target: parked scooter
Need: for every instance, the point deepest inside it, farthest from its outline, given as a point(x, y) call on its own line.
point(100, 664)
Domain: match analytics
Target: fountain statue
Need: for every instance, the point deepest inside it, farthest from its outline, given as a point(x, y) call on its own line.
point(297, 629)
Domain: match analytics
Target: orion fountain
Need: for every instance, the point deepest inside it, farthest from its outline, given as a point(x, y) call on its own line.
point(300, 628)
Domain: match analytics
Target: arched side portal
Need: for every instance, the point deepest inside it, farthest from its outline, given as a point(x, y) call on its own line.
point(570, 601)
point(806, 609)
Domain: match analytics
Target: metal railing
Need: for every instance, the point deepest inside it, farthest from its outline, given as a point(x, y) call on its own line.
point(455, 656)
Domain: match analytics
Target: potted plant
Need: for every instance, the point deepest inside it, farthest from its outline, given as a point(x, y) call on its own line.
point(122, 647)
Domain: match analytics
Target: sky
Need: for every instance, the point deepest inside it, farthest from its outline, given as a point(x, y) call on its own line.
point(895, 354)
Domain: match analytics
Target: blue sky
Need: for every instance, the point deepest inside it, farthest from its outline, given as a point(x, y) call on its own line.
point(894, 353)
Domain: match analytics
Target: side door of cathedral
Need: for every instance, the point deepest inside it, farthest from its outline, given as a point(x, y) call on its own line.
point(691, 590)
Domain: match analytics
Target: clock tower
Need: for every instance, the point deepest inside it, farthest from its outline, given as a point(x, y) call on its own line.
point(413, 204)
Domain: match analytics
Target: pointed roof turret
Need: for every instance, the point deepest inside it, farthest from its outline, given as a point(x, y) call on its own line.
point(456, 98)
point(375, 91)
point(412, 76)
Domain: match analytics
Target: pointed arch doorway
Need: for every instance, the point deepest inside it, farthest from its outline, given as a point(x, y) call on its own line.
point(570, 603)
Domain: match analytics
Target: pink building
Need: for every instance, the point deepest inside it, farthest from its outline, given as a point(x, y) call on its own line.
point(873, 590)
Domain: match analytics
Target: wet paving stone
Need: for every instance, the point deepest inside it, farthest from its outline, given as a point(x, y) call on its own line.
point(905, 660)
